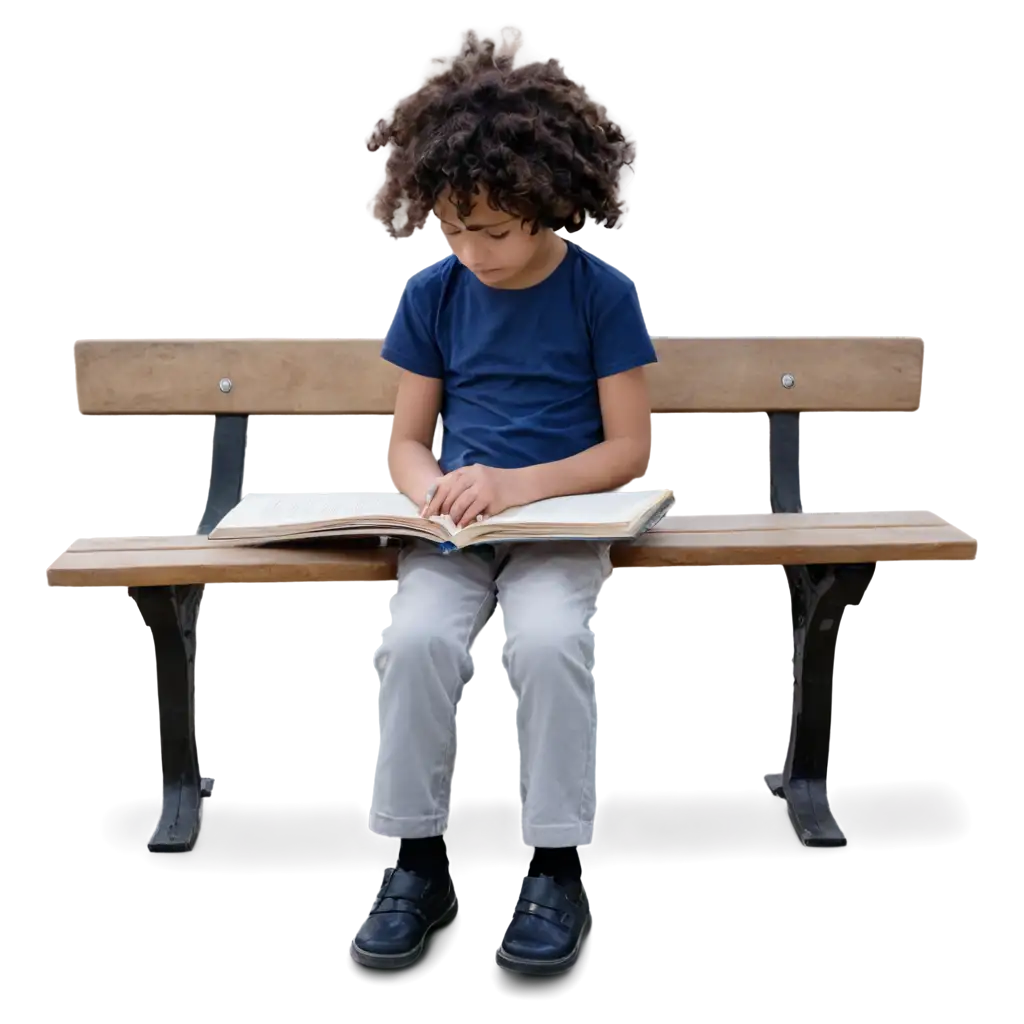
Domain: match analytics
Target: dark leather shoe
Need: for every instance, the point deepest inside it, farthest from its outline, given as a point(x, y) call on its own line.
point(547, 929)
point(407, 909)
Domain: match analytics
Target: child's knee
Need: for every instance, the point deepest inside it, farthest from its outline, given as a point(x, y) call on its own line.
point(416, 645)
point(545, 642)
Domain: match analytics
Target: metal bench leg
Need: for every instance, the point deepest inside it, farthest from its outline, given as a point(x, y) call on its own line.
point(819, 594)
point(171, 612)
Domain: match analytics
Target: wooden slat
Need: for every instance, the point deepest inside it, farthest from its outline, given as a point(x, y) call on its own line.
point(264, 565)
point(281, 376)
point(798, 547)
point(164, 567)
point(705, 540)
point(670, 524)
point(966, 372)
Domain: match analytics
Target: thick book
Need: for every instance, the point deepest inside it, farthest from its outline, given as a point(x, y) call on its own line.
point(278, 518)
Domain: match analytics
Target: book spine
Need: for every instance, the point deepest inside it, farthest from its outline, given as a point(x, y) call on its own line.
point(657, 516)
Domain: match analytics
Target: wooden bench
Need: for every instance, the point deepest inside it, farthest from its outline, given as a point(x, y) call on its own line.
point(829, 559)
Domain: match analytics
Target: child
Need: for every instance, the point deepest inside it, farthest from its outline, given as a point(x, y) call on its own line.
point(532, 351)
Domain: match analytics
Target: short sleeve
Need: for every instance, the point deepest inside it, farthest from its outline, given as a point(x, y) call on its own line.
point(410, 343)
point(619, 336)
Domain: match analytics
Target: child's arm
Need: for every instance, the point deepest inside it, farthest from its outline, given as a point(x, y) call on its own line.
point(620, 458)
point(410, 458)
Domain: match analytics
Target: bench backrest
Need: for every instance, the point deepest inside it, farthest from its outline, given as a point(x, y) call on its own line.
point(276, 376)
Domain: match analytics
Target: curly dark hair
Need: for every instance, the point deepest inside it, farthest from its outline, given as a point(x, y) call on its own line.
point(532, 137)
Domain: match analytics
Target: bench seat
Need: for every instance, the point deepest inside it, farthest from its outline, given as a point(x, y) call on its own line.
point(777, 539)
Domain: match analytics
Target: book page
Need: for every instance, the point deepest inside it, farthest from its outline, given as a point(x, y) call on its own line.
point(605, 507)
point(260, 511)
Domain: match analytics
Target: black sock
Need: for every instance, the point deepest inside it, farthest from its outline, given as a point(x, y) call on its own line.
point(426, 857)
point(561, 862)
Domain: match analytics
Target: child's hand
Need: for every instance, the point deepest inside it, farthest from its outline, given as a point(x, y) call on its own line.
point(431, 491)
point(472, 492)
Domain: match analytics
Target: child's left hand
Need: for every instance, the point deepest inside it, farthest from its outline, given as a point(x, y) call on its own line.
point(470, 492)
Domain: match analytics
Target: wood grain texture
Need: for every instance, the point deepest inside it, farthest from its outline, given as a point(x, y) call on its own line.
point(680, 540)
point(281, 376)
point(798, 547)
point(178, 565)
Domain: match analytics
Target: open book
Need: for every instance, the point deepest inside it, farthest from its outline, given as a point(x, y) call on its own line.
point(609, 515)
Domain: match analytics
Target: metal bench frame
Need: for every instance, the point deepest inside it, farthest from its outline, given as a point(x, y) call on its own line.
point(819, 595)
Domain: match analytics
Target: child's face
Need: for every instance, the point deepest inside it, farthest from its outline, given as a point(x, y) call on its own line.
point(495, 246)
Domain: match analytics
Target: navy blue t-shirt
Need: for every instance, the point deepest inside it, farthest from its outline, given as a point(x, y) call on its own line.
point(520, 366)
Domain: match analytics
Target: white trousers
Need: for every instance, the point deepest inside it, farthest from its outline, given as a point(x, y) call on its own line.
point(547, 592)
